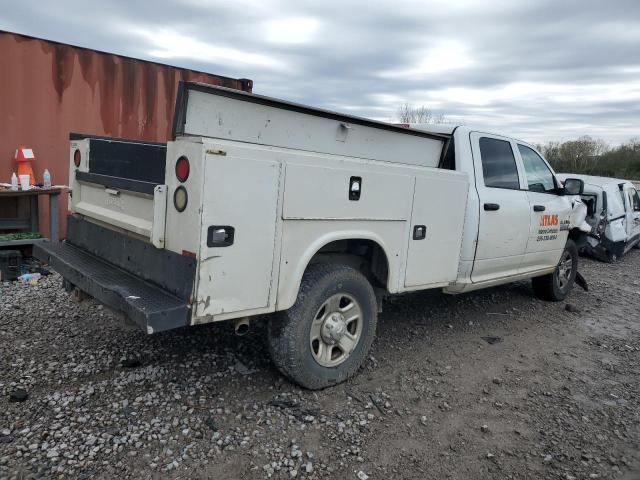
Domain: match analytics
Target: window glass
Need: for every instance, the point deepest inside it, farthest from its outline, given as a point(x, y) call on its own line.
point(621, 190)
point(539, 177)
point(635, 199)
point(498, 164)
point(590, 201)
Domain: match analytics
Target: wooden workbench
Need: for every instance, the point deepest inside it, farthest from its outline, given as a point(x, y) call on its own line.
point(30, 223)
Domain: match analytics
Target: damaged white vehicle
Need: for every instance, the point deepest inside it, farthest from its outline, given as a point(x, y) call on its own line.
point(613, 214)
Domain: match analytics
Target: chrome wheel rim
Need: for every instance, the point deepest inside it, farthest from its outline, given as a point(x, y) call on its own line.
point(336, 330)
point(564, 270)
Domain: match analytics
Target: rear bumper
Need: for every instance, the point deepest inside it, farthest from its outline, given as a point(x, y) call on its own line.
point(150, 307)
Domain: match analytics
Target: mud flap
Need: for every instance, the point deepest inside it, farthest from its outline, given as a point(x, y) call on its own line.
point(580, 280)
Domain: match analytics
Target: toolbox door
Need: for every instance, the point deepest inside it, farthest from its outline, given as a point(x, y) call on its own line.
point(435, 236)
point(240, 199)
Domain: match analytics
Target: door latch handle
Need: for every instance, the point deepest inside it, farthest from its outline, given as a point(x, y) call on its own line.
point(491, 207)
point(419, 232)
point(220, 236)
point(355, 188)
point(539, 208)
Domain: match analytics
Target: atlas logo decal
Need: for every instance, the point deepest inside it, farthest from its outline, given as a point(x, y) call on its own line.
point(548, 220)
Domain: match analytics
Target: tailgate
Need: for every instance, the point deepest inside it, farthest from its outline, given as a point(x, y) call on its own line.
point(120, 183)
point(152, 286)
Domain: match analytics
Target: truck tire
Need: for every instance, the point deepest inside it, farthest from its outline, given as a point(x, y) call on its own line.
point(555, 286)
point(326, 335)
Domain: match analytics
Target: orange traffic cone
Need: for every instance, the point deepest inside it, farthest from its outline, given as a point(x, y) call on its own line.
point(24, 157)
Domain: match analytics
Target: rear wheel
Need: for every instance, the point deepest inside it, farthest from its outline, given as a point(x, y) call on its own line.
point(556, 286)
point(325, 337)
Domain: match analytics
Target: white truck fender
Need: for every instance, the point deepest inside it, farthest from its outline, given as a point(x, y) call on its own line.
point(288, 288)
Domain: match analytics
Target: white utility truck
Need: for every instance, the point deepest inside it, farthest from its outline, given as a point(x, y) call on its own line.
point(260, 206)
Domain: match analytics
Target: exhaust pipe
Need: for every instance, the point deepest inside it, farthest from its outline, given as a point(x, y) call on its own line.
point(241, 326)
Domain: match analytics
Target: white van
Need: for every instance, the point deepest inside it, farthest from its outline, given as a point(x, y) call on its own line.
point(613, 212)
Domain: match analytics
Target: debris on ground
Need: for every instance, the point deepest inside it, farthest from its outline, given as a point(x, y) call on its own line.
point(558, 400)
point(492, 340)
point(570, 307)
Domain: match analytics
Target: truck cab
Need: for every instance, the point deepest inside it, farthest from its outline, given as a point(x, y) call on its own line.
point(518, 216)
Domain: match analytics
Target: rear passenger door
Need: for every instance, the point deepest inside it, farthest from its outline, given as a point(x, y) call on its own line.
point(550, 213)
point(504, 208)
point(633, 214)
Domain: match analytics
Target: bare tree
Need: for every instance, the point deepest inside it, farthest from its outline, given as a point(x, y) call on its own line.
point(408, 113)
point(581, 155)
point(550, 151)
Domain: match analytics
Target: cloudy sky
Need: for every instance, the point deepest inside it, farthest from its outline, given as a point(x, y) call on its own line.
point(538, 69)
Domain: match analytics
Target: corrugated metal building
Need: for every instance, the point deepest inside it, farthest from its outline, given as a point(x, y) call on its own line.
point(49, 89)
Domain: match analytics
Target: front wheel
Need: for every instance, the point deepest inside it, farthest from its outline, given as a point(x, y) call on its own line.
point(556, 286)
point(325, 337)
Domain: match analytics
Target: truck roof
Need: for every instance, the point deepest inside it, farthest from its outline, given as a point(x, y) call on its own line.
point(437, 128)
point(594, 180)
point(448, 128)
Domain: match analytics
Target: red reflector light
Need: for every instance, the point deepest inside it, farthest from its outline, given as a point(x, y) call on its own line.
point(182, 169)
point(77, 156)
point(187, 253)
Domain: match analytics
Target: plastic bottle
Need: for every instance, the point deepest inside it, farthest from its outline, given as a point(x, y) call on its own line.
point(47, 178)
point(14, 181)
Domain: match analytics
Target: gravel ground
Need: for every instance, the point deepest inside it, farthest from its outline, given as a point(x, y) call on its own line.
point(493, 384)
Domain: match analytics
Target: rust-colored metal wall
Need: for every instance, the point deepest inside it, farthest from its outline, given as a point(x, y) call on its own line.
point(49, 89)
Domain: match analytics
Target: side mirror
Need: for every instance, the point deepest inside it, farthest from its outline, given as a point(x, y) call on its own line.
point(573, 186)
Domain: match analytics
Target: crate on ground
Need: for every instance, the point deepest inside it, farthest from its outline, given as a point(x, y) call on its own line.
point(10, 261)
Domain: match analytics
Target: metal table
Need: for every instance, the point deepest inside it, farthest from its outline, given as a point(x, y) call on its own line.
point(31, 223)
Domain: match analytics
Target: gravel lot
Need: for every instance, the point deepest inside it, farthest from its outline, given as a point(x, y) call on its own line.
point(493, 384)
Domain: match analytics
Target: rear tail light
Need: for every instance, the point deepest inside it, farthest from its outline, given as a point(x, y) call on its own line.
point(180, 198)
point(77, 157)
point(182, 169)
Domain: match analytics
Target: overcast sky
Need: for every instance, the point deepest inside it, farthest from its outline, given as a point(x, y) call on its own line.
point(538, 69)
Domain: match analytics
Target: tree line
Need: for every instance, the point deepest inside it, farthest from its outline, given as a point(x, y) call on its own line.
point(592, 156)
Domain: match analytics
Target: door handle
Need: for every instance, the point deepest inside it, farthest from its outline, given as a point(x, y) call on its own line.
point(419, 232)
point(220, 236)
point(491, 207)
point(539, 208)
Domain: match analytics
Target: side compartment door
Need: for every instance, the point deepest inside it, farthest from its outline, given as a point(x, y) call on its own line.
point(503, 210)
point(437, 220)
point(550, 213)
point(239, 218)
